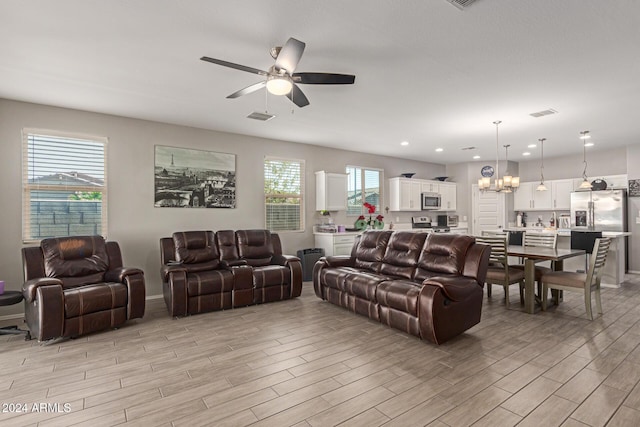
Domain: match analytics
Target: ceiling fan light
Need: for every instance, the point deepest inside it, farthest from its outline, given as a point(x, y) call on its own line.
point(279, 86)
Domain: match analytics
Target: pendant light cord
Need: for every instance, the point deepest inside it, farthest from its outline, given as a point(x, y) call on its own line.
point(542, 140)
point(497, 122)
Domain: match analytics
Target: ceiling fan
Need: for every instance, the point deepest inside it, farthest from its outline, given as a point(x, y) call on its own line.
point(280, 78)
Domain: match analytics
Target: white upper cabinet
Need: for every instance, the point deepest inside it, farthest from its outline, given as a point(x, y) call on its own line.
point(430, 187)
point(527, 198)
point(561, 192)
point(331, 191)
point(448, 196)
point(404, 194)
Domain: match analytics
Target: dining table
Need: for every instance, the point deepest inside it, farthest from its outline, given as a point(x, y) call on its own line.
point(533, 255)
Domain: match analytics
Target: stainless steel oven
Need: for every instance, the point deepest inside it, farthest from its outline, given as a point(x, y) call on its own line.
point(430, 201)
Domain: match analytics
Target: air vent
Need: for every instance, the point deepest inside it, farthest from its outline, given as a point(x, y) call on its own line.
point(548, 112)
point(260, 116)
point(461, 4)
point(468, 148)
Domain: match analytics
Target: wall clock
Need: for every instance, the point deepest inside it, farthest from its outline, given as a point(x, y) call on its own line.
point(487, 171)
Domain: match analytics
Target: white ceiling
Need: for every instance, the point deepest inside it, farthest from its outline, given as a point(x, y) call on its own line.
point(425, 71)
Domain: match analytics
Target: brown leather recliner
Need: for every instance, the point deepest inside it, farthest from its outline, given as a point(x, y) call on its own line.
point(77, 285)
point(429, 286)
point(204, 271)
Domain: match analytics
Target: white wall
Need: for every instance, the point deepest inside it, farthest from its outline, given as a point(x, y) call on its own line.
point(133, 220)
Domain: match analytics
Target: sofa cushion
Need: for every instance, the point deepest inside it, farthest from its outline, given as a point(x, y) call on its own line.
point(401, 256)
point(75, 257)
point(196, 247)
point(271, 275)
point(370, 250)
point(255, 246)
point(400, 294)
point(443, 253)
point(363, 284)
point(94, 298)
point(209, 282)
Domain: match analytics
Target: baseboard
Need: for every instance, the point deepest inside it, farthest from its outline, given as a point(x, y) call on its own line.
point(21, 315)
point(633, 272)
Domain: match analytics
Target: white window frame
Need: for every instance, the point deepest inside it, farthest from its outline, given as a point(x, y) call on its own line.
point(363, 211)
point(289, 195)
point(27, 187)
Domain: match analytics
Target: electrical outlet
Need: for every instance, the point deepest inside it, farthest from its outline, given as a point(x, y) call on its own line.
point(397, 219)
point(638, 220)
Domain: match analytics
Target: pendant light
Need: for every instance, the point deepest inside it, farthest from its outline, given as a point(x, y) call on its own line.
point(542, 187)
point(510, 183)
point(586, 185)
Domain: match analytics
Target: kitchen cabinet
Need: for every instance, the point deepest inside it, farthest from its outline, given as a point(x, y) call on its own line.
point(448, 196)
point(457, 230)
point(561, 193)
point(335, 243)
point(404, 194)
point(331, 191)
point(527, 198)
point(430, 186)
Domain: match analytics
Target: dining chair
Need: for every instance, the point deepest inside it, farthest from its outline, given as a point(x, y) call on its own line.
point(544, 240)
point(499, 272)
point(588, 282)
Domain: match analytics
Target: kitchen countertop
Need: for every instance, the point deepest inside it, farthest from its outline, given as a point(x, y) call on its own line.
point(561, 233)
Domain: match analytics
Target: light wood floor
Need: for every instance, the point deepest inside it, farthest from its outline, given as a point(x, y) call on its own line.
point(306, 362)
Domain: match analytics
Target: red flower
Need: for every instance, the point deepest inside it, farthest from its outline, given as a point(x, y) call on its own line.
point(379, 217)
point(360, 217)
point(371, 208)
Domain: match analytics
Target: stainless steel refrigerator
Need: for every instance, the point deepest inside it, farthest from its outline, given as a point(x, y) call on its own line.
point(604, 210)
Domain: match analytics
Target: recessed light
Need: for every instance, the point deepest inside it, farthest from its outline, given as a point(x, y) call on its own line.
point(404, 143)
point(589, 144)
point(526, 153)
point(531, 146)
point(476, 157)
point(439, 150)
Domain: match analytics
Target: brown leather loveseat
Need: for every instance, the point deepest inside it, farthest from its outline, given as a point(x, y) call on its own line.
point(428, 285)
point(77, 285)
point(204, 271)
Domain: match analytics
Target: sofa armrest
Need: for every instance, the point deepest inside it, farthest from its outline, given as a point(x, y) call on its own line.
point(233, 263)
point(295, 269)
point(30, 287)
point(119, 274)
point(171, 268)
point(283, 259)
point(456, 288)
point(133, 278)
point(339, 261)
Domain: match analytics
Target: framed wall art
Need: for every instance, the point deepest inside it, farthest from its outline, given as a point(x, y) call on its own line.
point(187, 178)
point(634, 188)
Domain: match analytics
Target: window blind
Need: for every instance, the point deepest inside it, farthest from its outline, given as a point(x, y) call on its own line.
point(284, 194)
point(64, 185)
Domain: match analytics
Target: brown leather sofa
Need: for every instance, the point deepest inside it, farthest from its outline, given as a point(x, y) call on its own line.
point(77, 285)
point(428, 285)
point(204, 271)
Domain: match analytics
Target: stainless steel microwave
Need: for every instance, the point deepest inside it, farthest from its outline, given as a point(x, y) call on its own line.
point(430, 201)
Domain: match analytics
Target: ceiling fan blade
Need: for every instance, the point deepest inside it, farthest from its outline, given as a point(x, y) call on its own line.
point(236, 66)
point(290, 55)
point(323, 78)
point(297, 97)
point(249, 89)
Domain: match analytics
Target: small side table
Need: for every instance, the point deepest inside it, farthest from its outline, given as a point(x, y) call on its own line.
point(10, 298)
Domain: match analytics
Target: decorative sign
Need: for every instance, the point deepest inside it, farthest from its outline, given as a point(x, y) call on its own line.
point(487, 171)
point(634, 188)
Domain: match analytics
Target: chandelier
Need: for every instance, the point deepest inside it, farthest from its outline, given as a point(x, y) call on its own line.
point(508, 182)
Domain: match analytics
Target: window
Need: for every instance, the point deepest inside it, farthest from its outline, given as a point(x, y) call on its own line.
point(64, 185)
point(364, 185)
point(283, 194)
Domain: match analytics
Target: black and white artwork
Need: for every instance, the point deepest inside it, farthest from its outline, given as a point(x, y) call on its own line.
point(186, 178)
